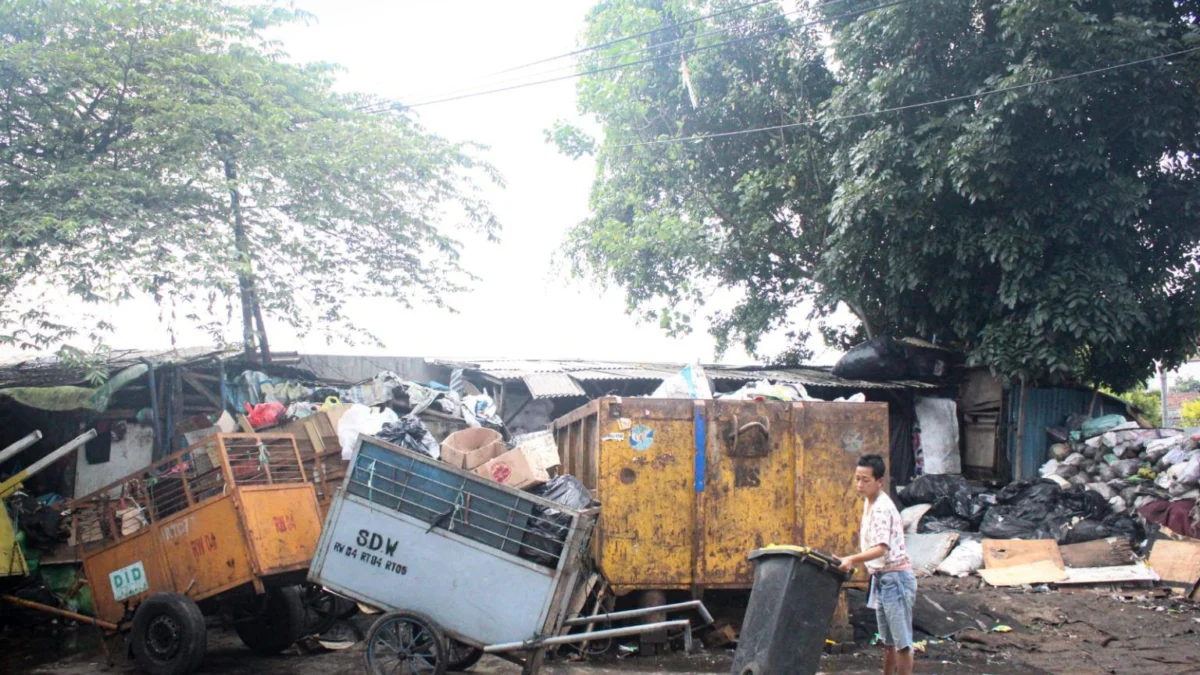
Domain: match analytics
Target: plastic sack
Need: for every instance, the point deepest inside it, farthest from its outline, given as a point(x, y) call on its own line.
point(938, 419)
point(548, 528)
point(928, 489)
point(965, 559)
point(880, 358)
point(360, 419)
point(1001, 522)
point(1098, 426)
point(409, 432)
point(691, 382)
point(1084, 531)
point(265, 414)
point(934, 525)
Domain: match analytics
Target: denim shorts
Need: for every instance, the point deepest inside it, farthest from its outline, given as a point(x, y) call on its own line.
point(895, 593)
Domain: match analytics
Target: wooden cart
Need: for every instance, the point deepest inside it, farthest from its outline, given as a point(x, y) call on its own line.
point(226, 527)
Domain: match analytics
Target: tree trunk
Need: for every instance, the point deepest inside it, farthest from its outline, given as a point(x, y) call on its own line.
point(245, 267)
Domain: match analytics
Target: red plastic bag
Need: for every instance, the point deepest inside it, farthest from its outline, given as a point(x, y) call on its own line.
point(265, 414)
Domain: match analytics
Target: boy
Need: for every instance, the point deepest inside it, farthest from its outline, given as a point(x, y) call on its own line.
point(893, 584)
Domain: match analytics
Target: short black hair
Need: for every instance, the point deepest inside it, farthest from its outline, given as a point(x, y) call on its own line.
point(875, 464)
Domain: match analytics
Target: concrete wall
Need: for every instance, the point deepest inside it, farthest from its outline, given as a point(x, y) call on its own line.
point(128, 455)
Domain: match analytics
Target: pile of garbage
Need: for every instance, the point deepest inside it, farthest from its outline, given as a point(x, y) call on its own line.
point(1128, 466)
point(1038, 509)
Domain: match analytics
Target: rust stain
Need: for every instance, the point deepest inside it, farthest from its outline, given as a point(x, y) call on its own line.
point(663, 460)
point(628, 476)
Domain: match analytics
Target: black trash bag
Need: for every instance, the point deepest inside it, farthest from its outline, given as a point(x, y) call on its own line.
point(933, 525)
point(1042, 491)
point(410, 433)
point(548, 527)
point(323, 394)
point(1122, 525)
point(1005, 522)
point(880, 358)
point(931, 488)
point(971, 506)
point(1078, 502)
point(1083, 531)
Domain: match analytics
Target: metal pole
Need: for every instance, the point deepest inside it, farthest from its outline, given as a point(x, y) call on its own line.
point(637, 613)
point(20, 445)
point(60, 612)
point(11, 484)
point(1163, 390)
point(596, 635)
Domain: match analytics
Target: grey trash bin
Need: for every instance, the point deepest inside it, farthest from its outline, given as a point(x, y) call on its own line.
point(791, 606)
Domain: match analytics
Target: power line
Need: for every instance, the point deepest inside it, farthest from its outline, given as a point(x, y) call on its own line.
point(614, 57)
point(911, 106)
point(627, 38)
point(605, 69)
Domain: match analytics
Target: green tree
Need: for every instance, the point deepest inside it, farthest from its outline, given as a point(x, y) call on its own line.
point(168, 148)
point(1050, 232)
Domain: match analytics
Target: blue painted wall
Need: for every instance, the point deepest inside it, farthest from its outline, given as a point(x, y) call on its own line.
point(1044, 408)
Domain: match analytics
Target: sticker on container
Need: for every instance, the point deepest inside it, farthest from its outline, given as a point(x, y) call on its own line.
point(614, 437)
point(624, 423)
point(853, 442)
point(641, 438)
point(128, 581)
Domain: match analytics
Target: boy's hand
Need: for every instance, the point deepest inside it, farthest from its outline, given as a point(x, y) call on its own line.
point(847, 564)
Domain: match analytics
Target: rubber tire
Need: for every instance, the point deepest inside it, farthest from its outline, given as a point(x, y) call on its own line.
point(193, 634)
point(472, 657)
point(278, 627)
point(440, 644)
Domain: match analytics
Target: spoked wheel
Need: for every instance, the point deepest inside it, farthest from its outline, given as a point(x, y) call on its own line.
point(406, 643)
point(460, 657)
point(323, 609)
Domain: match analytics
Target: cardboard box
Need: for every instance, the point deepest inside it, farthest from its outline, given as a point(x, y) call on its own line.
point(471, 448)
point(513, 469)
point(540, 449)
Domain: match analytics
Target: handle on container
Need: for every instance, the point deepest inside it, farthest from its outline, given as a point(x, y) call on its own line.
point(738, 429)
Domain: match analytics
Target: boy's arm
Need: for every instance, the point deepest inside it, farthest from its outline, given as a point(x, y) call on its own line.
point(876, 551)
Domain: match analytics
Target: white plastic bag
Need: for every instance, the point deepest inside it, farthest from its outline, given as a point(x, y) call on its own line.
point(938, 420)
point(360, 419)
point(691, 382)
point(965, 559)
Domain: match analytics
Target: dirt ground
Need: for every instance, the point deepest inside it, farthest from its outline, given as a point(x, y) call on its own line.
point(1141, 631)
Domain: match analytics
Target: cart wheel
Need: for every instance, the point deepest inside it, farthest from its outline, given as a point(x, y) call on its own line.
point(278, 627)
point(405, 643)
point(322, 610)
point(169, 635)
point(460, 657)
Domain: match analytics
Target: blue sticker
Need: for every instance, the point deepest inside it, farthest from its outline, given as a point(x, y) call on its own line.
point(641, 438)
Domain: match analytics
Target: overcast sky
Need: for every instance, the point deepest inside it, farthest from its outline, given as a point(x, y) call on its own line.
point(521, 307)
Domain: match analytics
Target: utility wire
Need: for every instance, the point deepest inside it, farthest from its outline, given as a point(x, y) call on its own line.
point(619, 66)
point(911, 106)
point(611, 58)
point(627, 38)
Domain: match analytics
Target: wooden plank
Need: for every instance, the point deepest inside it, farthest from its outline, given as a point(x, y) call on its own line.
point(1000, 553)
point(1177, 562)
point(197, 385)
point(1040, 572)
point(1109, 575)
point(1100, 553)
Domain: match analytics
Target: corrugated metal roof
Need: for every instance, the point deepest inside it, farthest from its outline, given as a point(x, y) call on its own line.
point(49, 371)
point(586, 371)
point(810, 376)
point(552, 385)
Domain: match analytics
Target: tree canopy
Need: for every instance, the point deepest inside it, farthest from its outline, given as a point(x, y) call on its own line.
point(169, 148)
point(1049, 230)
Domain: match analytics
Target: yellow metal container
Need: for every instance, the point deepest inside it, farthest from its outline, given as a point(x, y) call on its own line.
point(12, 559)
point(689, 488)
point(229, 513)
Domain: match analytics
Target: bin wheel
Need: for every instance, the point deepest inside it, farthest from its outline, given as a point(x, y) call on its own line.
point(169, 635)
point(279, 625)
point(406, 643)
point(460, 657)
